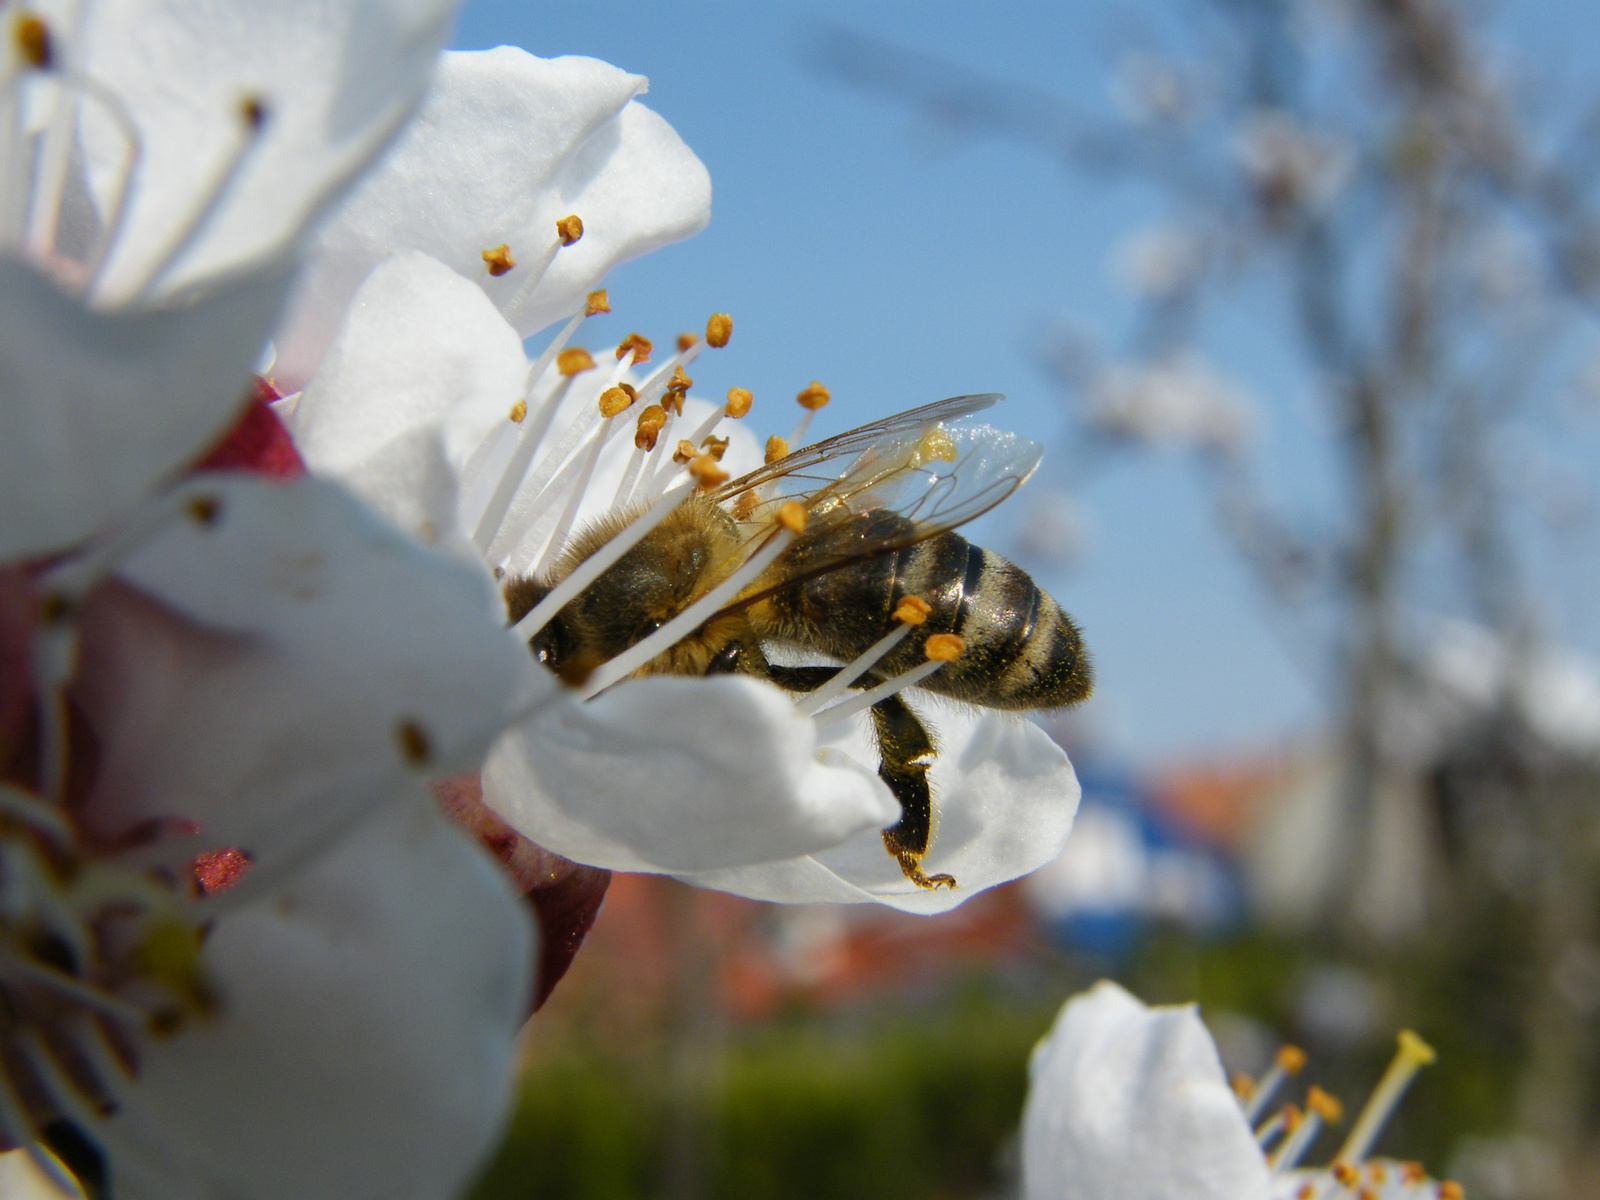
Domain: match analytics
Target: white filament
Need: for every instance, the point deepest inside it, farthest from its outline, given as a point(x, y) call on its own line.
point(689, 619)
point(815, 701)
point(595, 565)
point(829, 717)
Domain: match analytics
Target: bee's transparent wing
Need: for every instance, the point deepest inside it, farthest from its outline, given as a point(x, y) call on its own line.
point(808, 464)
point(895, 494)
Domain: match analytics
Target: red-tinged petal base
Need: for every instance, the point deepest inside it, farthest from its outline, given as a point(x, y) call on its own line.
point(565, 895)
point(257, 442)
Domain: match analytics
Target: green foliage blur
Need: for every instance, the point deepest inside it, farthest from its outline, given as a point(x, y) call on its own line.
point(921, 1096)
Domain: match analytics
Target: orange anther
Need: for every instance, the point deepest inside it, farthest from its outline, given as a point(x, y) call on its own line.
point(1291, 1058)
point(1324, 1105)
point(613, 401)
point(912, 610)
point(715, 446)
point(574, 360)
point(814, 397)
point(641, 347)
point(706, 473)
point(569, 229)
point(776, 448)
point(792, 516)
point(745, 506)
point(685, 452)
point(519, 412)
point(943, 647)
point(718, 329)
point(651, 421)
point(498, 260)
point(739, 401)
point(596, 302)
point(33, 42)
point(685, 340)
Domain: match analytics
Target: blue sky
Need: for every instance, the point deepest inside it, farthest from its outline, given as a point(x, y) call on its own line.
point(853, 248)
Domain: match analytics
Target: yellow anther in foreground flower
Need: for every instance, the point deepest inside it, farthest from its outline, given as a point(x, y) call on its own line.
point(1324, 1105)
point(1291, 1058)
point(596, 302)
point(415, 745)
point(706, 473)
point(739, 401)
point(745, 506)
point(519, 412)
point(574, 360)
point(650, 422)
point(685, 452)
point(498, 260)
point(814, 397)
point(1451, 1190)
point(569, 229)
point(641, 347)
point(1345, 1174)
point(685, 340)
point(1414, 1049)
point(614, 400)
point(718, 329)
point(715, 446)
point(792, 516)
point(943, 647)
point(33, 41)
point(776, 448)
point(912, 610)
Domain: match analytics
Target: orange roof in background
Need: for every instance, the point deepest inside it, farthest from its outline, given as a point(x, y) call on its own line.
point(1218, 802)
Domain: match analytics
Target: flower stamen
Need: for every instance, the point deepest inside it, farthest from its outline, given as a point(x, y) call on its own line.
point(910, 613)
point(689, 619)
point(940, 648)
point(1410, 1057)
point(1288, 1062)
point(596, 564)
point(814, 397)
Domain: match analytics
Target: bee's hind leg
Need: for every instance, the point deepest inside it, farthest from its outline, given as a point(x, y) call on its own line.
point(906, 751)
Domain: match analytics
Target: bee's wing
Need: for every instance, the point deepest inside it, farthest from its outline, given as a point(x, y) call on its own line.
point(803, 462)
point(917, 479)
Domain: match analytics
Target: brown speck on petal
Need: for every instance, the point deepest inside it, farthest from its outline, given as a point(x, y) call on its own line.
point(564, 895)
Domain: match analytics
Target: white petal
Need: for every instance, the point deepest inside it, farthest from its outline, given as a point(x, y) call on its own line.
point(290, 651)
point(337, 79)
point(98, 407)
point(21, 1178)
point(673, 774)
point(1130, 1103)
point(364, 1048)
point(422, 356)
point(506, 144)
point(1004, 799)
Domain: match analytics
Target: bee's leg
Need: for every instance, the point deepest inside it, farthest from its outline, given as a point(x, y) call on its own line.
point(727, 661)
point(907, 752)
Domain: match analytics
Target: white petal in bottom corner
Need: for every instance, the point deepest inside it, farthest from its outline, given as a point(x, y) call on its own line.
point(1130, 1103)
point(680, 775)
point(1004, 799)
point(364, 1047)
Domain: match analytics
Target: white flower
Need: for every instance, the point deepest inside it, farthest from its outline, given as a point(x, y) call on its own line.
point(158, 164)
point(255, 710)
point(505, 146)
point(1130, 1103)
point(243, 954)
point(425, 404)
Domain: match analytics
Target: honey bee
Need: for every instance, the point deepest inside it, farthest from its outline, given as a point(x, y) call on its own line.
point(875, 531)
